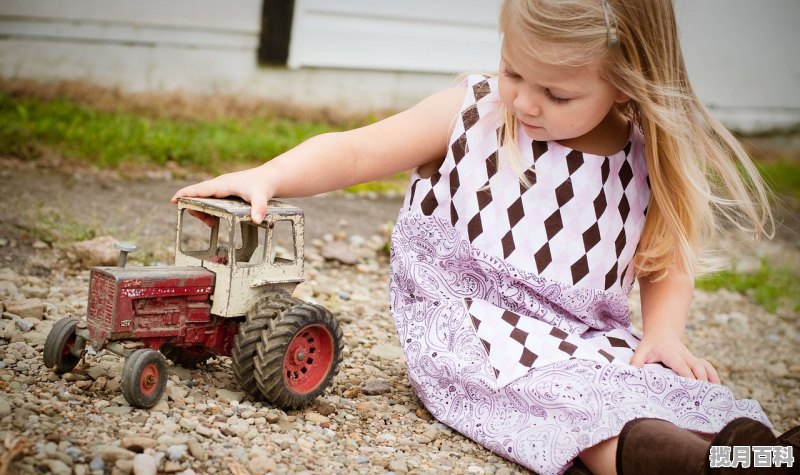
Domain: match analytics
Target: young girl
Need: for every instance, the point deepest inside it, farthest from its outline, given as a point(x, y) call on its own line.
point(536, 199)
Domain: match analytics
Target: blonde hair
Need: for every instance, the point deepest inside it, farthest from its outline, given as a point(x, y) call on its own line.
point(699, 173)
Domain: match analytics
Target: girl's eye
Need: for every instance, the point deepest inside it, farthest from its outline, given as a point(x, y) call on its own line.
point(510, 74)
point(556, 99)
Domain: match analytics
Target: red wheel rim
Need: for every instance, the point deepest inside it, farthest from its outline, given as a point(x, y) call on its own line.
point(308, 359)
point(148, 381)
point(67, 349)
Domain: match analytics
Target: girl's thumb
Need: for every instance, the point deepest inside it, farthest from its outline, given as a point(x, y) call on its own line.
point(637, 360)
point(259, 210)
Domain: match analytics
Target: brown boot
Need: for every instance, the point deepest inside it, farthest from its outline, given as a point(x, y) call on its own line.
point(658, 447)
point(654, 446)
point(749, 433)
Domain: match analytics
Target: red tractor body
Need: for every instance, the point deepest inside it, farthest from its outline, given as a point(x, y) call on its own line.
point(156, 306)
point(229, 294)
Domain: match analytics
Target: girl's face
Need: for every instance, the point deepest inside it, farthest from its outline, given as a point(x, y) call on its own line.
point(568, 104)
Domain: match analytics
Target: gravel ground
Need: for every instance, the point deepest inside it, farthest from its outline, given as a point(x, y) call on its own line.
point(369, 421)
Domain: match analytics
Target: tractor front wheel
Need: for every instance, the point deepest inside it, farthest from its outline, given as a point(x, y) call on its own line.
point(298, 356)
point(144, 378)
point(59, 346)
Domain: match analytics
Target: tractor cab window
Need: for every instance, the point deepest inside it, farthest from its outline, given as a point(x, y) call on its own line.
point(282, 251)
point(249, 244)
point(204, 236)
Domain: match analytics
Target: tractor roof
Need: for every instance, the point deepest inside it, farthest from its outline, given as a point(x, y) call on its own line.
point(236, 206)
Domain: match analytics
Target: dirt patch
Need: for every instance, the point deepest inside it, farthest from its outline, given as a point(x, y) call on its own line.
point(58, 203)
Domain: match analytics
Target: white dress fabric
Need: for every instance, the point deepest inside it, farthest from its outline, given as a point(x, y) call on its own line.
point(511, 301)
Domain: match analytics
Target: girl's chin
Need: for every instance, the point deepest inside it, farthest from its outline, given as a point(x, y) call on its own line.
point(536, 133)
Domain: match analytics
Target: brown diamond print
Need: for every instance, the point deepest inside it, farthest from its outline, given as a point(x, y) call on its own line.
point(510, 318)
point(429, 203)
point(553, 224)
point(574, 161)
point(591, 237)
point(474, 227)
point(509, 246)
point(543, 257)
point(618, 342)
point(567, 347)
point(470, 116)
point(579, 269)
point(519, 336)
point(528, 357)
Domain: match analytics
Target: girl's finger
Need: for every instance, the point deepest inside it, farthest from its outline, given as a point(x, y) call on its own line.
point(713, 376)
point(679, 365)
point(258, 208)
point(698, 369)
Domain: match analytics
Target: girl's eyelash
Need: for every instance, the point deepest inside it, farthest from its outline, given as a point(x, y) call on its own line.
point(510, 74)
point(557, 100)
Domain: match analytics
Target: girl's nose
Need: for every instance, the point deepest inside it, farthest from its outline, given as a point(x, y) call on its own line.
point(528, 104)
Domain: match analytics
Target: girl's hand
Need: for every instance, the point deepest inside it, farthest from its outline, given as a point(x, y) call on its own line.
point(666, 347)
point(250, 185)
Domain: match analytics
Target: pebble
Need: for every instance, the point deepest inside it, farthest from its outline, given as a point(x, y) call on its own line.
point(145, 464)
point(369, 421)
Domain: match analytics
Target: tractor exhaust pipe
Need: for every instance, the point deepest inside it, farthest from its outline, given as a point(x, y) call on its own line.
point(124, 249)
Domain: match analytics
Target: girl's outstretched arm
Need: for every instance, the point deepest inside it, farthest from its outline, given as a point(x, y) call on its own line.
point(665, 309)
point(336, 160)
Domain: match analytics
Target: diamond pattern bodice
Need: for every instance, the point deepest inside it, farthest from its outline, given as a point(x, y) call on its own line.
point(578, 223)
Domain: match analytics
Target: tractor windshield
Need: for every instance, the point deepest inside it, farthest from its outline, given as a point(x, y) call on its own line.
point(205, 237)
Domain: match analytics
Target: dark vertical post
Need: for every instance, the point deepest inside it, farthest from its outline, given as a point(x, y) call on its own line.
point(276, 29)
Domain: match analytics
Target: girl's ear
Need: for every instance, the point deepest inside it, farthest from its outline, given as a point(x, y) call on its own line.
point(620, 97)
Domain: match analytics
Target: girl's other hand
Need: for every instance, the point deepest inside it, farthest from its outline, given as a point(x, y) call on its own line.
point(247, 184)
point(667, 348)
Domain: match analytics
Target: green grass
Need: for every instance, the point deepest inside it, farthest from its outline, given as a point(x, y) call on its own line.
point(783, 177)
point(769, 286)
point(111, 139)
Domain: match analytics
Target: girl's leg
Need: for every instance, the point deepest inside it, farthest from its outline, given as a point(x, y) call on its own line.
point(601, 459)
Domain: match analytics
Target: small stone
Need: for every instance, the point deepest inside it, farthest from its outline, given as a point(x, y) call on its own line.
point(390, 352)
point(28, 308)
point(99, 251)
point(117, 410)
point(111, 454)
point(352, 393)
point(138, 444)
point(315, 418)
point(375, 386)
point(144, 464)
point(124, 466)
point(398, 465)
point(39, 245)
point(176, 452)
point(423, 414)
point(22, 324)
point(171, 466)
point(339, 251)
point(230, 396)
point(262, 464)
point(325, 408)
point(57, 467)
point(196, 449)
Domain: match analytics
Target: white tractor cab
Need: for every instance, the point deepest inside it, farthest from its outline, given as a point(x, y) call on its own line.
point(219, 235)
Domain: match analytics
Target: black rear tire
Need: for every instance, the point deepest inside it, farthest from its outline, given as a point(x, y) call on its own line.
point(258, 318)
point(59, 346)
point(144, 378)
point(298, 356)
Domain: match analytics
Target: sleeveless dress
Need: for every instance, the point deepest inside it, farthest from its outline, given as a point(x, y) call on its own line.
point(511, 301)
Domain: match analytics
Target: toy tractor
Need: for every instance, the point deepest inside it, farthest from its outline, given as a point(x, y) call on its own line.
point(228, 294)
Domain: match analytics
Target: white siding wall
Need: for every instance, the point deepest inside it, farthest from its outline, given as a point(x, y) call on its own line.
point(743, 56)
point(414, 35)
